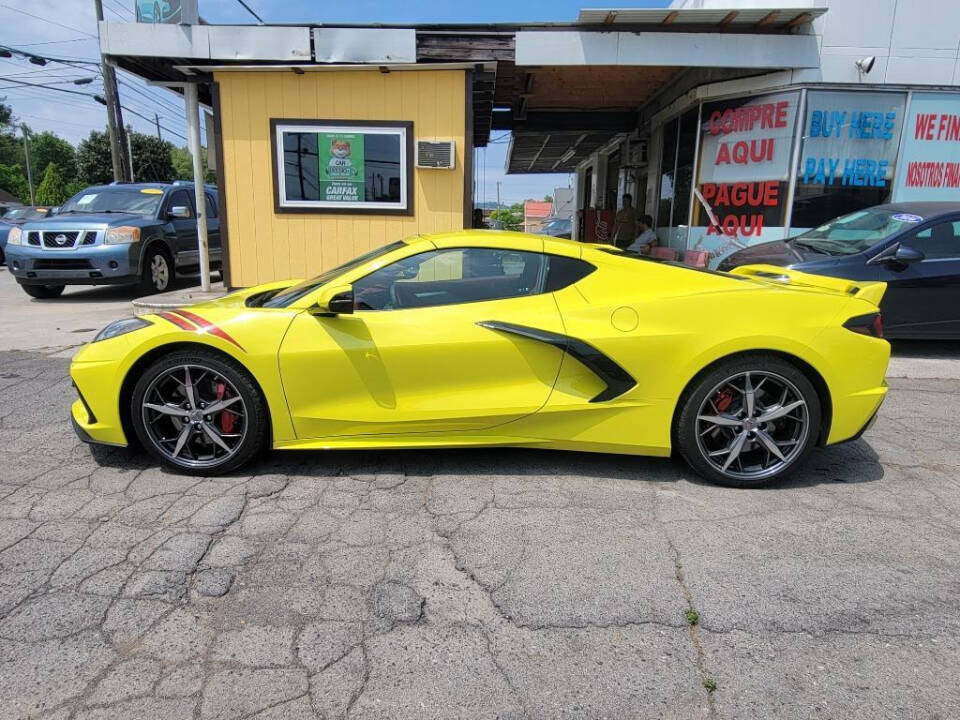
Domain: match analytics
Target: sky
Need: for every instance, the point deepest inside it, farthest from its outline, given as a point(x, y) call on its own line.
point(66, 29)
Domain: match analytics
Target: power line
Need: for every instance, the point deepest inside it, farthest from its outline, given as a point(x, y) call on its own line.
point(48, 87)
point(249, 10)
point(56, 42)
point(46, 20)
point(47, 58)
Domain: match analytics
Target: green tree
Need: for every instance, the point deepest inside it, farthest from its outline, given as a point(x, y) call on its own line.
point(548, 198)
point(151, 158)
point(183, 165)
point(11, 148)
point(510, 218)
point(53, 188)
point(46, 147)
point(13, 179)
point(94, 166)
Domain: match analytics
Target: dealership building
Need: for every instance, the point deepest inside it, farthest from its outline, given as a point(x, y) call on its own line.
point(730, 122)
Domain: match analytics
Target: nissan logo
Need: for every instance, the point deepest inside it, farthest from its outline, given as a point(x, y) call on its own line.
point(60, 239)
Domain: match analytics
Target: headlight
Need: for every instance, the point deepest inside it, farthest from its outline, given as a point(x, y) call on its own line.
point(14, 237)
point(121, 327)
point(122, 235)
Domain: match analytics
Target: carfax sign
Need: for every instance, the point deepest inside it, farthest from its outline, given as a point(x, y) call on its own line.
point(341, 168)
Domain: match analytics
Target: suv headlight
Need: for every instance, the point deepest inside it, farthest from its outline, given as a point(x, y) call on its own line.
point(14, 238)
point(122, 235)
point(121, 327)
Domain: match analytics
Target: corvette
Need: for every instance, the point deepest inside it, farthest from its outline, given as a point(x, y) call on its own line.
point(482, 338)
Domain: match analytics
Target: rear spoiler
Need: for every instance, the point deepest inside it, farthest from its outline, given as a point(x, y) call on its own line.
point(870, 291)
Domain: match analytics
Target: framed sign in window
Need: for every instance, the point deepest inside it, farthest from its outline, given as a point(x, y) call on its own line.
point(342, 166)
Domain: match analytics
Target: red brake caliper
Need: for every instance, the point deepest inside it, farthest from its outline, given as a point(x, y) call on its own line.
point(227, 418)
point(723, 399)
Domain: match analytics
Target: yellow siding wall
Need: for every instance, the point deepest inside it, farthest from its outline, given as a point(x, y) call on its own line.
point(264, 245)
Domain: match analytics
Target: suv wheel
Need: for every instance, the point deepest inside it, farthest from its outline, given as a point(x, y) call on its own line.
point(44, 292)
point(157, 272)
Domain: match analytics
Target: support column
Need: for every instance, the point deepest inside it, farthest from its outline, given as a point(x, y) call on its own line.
point(192, 107)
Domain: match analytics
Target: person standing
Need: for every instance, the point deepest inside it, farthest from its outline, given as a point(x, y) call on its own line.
point(646, 239)
point(625, 223)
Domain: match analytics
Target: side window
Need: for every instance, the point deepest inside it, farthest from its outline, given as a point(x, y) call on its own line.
point(449, 277)
point(938, 241)
point(565, 271)
point(178, 198)
point(211, 204)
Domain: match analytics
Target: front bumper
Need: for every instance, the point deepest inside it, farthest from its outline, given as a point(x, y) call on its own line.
point(94, 265)
point(96, 412)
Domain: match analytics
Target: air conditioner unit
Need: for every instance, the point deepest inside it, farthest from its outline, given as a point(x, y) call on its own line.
point(441, 154)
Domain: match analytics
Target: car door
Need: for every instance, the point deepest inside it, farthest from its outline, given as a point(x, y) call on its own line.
point(416, 355)
point(181, 232)
point(923, 297)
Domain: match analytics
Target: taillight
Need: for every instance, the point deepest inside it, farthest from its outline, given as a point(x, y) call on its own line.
point(871, 325)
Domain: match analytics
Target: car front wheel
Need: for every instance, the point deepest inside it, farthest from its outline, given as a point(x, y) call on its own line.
point(199, 412)
point(43, 292)
point(748, 421)
point(157, 271)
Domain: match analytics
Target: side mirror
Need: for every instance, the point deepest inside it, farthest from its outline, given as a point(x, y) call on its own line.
point(336, 300)
point(907, 255)
point(178, 212)
point(897, 255)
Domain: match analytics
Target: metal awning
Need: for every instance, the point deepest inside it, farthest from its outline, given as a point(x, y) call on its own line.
point(773, 16)
point(555, 86)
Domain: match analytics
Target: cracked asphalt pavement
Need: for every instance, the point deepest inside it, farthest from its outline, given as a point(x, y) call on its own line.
point(475, 584)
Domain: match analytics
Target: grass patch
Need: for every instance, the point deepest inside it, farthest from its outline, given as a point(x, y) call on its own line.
point(693, 617)
point(710, 684)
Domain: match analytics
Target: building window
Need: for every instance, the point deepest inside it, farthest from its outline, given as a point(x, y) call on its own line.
point(849, 153)
point(343, 166)
point(746, 145)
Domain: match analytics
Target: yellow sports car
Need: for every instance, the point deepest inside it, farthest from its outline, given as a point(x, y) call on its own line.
point(492, 338)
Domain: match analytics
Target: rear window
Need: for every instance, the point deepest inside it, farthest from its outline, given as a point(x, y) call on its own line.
point(565, 271)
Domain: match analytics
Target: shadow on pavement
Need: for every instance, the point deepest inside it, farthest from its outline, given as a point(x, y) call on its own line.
point(856, 462)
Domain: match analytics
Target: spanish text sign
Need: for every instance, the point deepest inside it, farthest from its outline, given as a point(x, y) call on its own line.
point(930, 168)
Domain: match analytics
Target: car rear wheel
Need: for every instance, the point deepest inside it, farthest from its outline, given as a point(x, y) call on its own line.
point(157, 271)
point(748, 421)
point(43, 292)
point(199, 413)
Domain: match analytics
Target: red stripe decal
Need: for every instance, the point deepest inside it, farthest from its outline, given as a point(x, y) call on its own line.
point(179, 322)
point(207, 326)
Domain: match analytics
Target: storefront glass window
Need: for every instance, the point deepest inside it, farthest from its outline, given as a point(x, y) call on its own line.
point(668, 159)
point(930, 164)
point(342, 166)
point(744, 171)
point(849, 153)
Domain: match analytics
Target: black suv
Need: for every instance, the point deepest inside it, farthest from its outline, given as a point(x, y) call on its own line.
point(142, 233)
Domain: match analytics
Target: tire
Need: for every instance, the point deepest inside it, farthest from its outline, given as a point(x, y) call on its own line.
point(43, 292)
point(157, 272)
point(176, 435)
point(713, 425)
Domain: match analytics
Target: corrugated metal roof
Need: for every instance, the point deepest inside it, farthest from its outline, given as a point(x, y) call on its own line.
point(698, 16)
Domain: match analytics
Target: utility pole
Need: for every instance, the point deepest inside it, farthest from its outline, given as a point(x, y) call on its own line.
point(156, 119)
point(26, 155)
point(119, 153)
point(192, 108)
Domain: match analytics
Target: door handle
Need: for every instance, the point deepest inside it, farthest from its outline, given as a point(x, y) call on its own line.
point(617, 379)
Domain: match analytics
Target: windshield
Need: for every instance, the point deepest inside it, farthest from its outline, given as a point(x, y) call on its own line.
point(557, 226)
point(290, 295)
point(24, 214)
point(137, 201)
point(857, 231)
